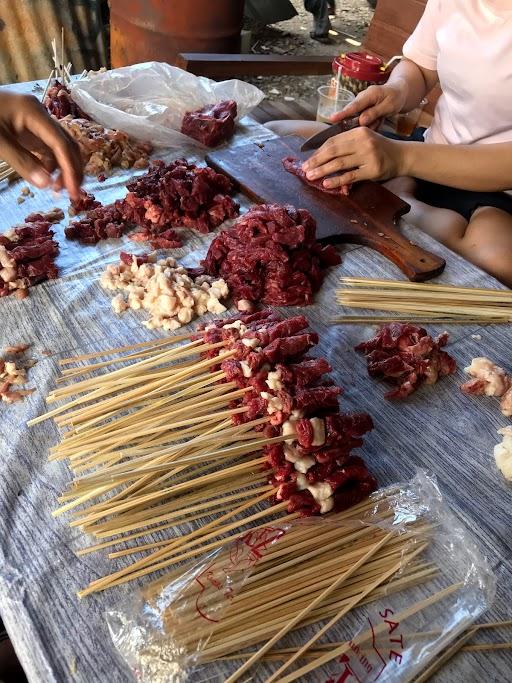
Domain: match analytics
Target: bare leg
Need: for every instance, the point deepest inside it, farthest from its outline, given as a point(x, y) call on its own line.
point(485, 241)
point(445, 226)
point(304, 129)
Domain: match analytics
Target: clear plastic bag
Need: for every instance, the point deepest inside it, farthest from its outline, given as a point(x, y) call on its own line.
point(394, 632)
point(148, 100)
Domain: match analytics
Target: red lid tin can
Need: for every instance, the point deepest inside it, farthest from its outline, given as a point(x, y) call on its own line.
point(358, 70)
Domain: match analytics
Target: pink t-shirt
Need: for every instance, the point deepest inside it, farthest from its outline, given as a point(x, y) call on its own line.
point(469, 44)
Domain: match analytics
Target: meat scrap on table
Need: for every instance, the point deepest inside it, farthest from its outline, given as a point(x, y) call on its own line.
point(314, 469)
point(102, 148)
point(13, 374)
point(503, 453)
point(271, 255)
point(211, 125)
point(164, 289)
point(179, 194)
point(406, 355)
point(28, 252)
point(489, 380)
point(86, 202)
point(100, 223)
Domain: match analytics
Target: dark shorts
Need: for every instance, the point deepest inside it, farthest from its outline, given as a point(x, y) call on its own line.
point(464, 202)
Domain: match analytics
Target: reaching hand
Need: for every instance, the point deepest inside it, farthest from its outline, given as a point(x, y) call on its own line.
point(359, 154)
point(35, 145)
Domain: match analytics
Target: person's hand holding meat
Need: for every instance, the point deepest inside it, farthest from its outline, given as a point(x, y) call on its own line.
point(358, 154)
point(35, 145)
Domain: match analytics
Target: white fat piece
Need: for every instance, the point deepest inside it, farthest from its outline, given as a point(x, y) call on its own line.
point(5, 260)
point(326, 505)
point(274, 403)
point(251, 343)
point(273, 381)
point(301, 463)
point(246, 370)
point(237, 325)
point(503, 453)
point(320, 491)
point(318, 425)
point(288, 428)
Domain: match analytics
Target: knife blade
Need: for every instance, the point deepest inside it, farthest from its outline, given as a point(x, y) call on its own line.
point(318, 139)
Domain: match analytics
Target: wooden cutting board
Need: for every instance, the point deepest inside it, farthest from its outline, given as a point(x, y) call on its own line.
point(367, 216)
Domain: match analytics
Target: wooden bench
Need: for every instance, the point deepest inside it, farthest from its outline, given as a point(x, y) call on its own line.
point(391, 25)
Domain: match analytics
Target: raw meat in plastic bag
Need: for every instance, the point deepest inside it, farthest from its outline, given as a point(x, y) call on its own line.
point(148, 101)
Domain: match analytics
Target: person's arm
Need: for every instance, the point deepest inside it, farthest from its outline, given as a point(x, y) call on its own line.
point(406, 87)
point(480, 168)
point(362, 154)
point(411, 79)
point(35, 145)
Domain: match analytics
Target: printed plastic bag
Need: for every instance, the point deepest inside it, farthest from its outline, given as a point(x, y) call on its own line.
point(438, 584)
point(148, 100)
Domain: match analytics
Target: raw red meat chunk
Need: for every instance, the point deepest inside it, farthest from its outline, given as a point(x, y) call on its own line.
point(59, 103)
point(294, 166)
point(85, 202)
point(101, 223)
point(406, 355)
point(212, 124)
point(27, 254)
point(179, 194)
point(271, 255)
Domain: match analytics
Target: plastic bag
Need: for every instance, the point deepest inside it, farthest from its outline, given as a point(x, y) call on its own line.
point(392, 634)
point(148, 101)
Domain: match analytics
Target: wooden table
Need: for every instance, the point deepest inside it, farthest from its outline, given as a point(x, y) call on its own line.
point(59, 638)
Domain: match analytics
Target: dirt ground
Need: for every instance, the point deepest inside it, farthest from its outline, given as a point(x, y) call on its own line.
point(292, 38)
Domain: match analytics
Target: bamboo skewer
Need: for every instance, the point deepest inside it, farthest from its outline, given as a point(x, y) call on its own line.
point(120, 349)
point(338, 651)
point(420, 285)
point(448, 654)
point(306, 610)
point(424, 302)
point(283, 653)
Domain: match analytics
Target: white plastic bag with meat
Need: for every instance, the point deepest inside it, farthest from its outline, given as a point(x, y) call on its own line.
point(148, 101)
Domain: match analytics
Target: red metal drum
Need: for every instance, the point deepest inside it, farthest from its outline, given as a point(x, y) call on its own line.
point(145, 30)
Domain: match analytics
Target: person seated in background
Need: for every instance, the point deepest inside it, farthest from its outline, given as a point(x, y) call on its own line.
point(35, 145)
point(457, 174)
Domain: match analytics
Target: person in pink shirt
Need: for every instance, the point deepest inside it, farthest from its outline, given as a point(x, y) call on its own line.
point(457, 175)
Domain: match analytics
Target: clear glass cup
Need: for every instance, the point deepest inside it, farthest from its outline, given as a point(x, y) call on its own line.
point(405, 123)
point(330, 102)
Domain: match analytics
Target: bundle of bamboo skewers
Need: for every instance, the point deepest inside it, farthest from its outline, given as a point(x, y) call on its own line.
point(314, 573)
point(423, 302)
point(308, 573)
point(130, 437)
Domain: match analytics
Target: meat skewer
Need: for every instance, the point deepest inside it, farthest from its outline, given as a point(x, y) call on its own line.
point(281, 411)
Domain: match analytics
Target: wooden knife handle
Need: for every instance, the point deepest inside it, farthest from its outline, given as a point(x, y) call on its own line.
point(416, 263)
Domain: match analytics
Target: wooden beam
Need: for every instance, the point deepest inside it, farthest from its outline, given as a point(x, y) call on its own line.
point(224, 65)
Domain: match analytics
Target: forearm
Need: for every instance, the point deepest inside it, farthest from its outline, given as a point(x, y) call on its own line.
point(414, 81)
point(480, 168)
